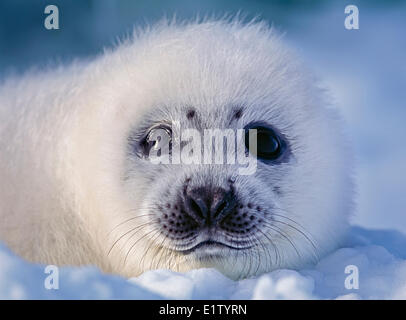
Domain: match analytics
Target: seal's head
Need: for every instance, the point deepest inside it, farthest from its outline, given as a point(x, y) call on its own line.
point(166, 90)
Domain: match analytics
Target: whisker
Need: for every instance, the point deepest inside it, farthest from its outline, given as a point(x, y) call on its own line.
point(277, 253)
point(153, 238)
point(133, 245)
point(160, 252)
point(315, 251)
point(304, 232)
point(283, 234)
point(130, 219)
point(131, 230)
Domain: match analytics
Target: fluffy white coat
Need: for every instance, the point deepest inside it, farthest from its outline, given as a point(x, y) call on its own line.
point(64, 141)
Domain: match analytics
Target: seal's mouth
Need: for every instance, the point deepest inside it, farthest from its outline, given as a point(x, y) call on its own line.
point(212, 245)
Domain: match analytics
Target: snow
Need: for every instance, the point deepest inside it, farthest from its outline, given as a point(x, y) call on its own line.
point(380, 257)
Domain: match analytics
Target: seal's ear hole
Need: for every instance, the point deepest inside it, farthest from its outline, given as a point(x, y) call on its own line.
point(269, 144)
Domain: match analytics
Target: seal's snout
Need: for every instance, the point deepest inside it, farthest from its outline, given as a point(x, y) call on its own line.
point(207, 212)
point(208, 206)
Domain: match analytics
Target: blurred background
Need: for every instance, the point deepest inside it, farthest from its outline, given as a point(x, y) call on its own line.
point(365, 69)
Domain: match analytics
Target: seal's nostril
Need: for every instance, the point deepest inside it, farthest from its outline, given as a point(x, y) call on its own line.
point(197, 207)
point(219, 209)
point(208, 205)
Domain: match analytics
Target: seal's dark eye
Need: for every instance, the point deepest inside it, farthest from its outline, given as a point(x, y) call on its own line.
point(269, 145)
point(158, 139)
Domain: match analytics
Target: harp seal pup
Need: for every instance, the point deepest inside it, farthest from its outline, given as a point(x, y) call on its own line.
point(76, 187)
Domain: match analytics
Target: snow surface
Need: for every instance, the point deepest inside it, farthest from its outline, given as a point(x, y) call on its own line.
point(380, 257)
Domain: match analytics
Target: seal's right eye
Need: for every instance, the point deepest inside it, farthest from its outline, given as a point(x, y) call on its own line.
point(157, 140)
point(270, 146)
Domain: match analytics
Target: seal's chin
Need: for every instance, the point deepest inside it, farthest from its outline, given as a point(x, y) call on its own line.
point(233, 261)
point(206, 252)
point(212, 247)
point(210, 243)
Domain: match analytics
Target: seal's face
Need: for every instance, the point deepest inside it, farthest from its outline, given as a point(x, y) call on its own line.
point(207, 208)
point(231, 161)
point(196, 213)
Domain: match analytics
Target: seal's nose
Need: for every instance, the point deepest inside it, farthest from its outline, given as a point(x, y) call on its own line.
point(208, 205)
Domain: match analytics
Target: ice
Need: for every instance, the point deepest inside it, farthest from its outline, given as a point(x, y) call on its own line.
point(379, 256)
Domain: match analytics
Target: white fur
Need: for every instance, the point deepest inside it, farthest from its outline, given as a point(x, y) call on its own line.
point(63, 142)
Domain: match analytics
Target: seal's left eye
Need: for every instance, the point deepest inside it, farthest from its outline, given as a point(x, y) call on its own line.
point(158, 138)
point(269, 145)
